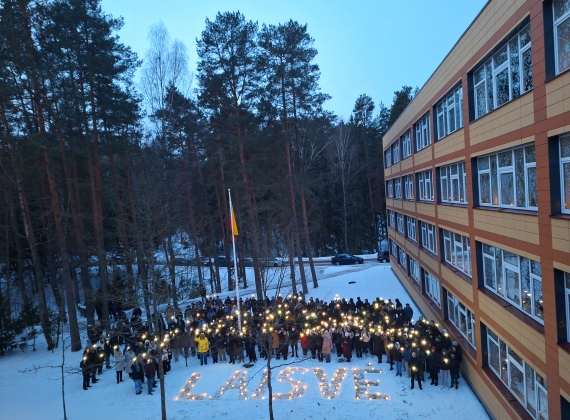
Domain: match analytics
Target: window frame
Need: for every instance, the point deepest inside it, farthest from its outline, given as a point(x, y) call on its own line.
point(556, 22)
point(400, 222)
point(425, 183)
point(402, 256)
point(450, 238)
point(446, 175)
point(422, 134)
point(390, 188)
point(406, 140)
point(501, 284)
point(562, 162)
point(505, 362)
point(393, 248)
point(428, 233)
point(388, 157)
point(398, 188)
point(409, 187)
point(432, 288)
point(391, 219)
point(458, 308)
point(442, 111)
point(567, 302)
point(494, 172)
point(415, 270)
point(411, 227)
point(491, 70)
point(396, 152)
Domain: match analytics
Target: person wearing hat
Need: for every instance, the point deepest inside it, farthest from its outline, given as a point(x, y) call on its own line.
point(203, 347)
point(150, 373)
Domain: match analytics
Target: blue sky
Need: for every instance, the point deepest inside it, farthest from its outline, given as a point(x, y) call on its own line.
point(365, 46)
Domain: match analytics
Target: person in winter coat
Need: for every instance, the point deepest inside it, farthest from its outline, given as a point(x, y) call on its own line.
point(454, 365)
point(175, 346)
point(203, 348)
point(365, 339)
point(455, 349)
point(294, 340)
point(408, 313)
point(415, 369)
point(443, 364)
point(137, 375)
point(304, 343)
point(347, 347)
point(407, 355)
point(250, 348)
point(119, 365)
point(397, 357)
point(85, 372)
point(327, 345)
point(337, 340)
point(129, 356)
point(150, 373)
point(230, 342)
point(378, 345)
point(357, 344)
point(432, 365)
point(221, 343)
point(275, 343)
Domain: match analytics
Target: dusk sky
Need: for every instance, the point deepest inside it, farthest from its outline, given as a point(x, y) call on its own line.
point(365, 46)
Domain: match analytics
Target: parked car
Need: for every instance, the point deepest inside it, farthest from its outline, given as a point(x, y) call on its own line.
point(344, 259)
point(222, 261)
point(200, 261)
point(271, 262)
point(383, 256)
point(248, 262)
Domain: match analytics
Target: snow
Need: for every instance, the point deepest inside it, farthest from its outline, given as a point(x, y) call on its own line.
point(25, 395)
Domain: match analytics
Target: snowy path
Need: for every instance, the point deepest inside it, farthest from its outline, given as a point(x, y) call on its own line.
point(27, 395)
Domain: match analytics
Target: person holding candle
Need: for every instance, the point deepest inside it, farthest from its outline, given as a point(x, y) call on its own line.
point(454, 364)
point(415, 369)
point(443, 364)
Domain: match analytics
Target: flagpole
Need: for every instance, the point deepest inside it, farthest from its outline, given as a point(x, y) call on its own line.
point(235, 259)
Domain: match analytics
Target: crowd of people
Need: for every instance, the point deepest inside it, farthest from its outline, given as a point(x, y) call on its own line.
point(281, 327)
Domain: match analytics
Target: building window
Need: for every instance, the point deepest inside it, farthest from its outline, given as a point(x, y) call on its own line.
point(388, 157)
point(395, 152)
point(402, 258)
point(452, 179)
point(428, 237)
point(508, 179)
point(421, 128)
point(391, 219)
point(506, 75)
point(411, 228)
point(462, 318)
point(414, 269)
point(528, 387)
point(561, 10)
point(425, 185)
point(398, 188)
point(406, 144)
point(457, 251)
point(400, 222)
point(450, 113)
point(514, 278)
point(393, 248)
point(409, 187)
point(431, 287)
point(565, 171)
point(390, 188)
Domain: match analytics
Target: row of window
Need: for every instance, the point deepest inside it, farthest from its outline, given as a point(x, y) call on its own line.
point(506, 179)
point(516, 279)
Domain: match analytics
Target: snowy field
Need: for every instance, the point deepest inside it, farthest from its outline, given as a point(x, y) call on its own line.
point(37, 393)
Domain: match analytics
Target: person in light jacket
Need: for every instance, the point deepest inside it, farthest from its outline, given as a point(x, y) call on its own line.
point(327, 345)
point(119, 365)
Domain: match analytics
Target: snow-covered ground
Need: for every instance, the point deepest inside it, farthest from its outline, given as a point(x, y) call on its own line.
point(37, 394)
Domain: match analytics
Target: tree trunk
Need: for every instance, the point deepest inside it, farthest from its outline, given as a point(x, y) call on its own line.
point(60, 233)
point(308, 240)
point(19, 259)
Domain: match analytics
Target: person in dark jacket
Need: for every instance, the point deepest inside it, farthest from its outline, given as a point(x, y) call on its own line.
point(347, 347)
point(150, 373)
point(357, 344)
point(137, 375)
point(408, 313)
point(432, 365)
point(415, 369)
point(85, 372)
point(337, 341)
point(443, 364)
point(454, 365)
point(378, 345)
point(397, 357)
point(294, 340)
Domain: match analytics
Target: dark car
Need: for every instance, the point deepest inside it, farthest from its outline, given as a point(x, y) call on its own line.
point(344, 259)
point(222, 262)
point(383, 256)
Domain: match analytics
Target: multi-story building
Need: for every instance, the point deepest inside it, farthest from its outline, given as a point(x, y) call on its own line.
point(477, 175)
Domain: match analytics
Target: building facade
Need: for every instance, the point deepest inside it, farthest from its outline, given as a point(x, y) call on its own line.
point(477, 173)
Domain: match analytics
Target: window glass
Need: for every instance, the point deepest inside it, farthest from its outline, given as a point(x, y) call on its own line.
point(494, 356)
point(517, 382)
point(561, 34)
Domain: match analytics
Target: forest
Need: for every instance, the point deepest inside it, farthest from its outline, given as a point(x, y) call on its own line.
point(110, 161)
